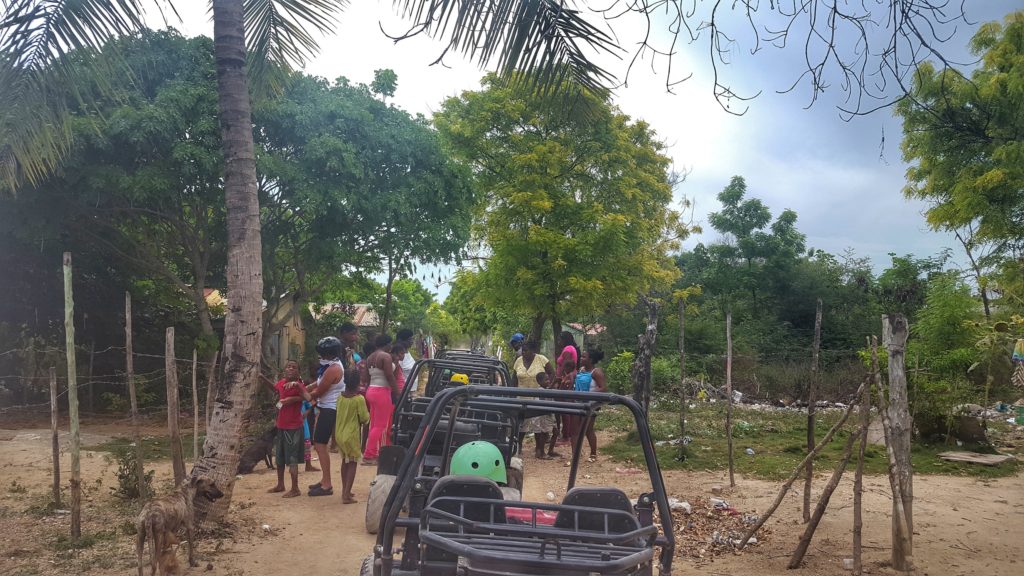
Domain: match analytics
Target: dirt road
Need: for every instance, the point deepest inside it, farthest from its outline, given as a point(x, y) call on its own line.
point(963, 526)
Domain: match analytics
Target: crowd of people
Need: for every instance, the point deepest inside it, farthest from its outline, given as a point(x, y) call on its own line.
point(572, 370)
point(350, 396)
point(347, 401)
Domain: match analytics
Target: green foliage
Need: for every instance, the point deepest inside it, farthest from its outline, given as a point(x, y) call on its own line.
point(577, 215)
point(778, 438)
point(963, 137)
point(128, 476)
point(385, 82)
point(441, 325)
point(944, 325)
point(618, 372)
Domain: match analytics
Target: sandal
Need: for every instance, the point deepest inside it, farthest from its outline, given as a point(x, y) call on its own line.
point(320, 491)
point(543, 456)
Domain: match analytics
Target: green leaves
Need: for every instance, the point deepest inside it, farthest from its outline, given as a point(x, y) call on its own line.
point(963, 137)
point(576, 207)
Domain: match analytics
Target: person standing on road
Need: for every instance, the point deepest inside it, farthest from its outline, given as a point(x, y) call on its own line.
point(380, 397)
point(591, 379)
point(516, 343)
point(290, 392)
point(533, 370)
point(329, 386)
point(404, 338)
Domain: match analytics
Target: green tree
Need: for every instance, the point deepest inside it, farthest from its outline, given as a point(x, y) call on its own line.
point(576, 216)
point(963, 137)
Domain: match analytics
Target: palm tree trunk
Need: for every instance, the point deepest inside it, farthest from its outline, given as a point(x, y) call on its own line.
point(243, 325)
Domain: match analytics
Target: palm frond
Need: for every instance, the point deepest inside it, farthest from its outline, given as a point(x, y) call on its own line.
point(282, 34)
point(37, 40)
point(547, 38)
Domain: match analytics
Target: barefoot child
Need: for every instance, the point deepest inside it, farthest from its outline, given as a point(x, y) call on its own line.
point(352, 416)
point(291, 392)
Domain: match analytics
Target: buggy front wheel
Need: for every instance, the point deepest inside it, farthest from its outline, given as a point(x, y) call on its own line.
point(379, 489)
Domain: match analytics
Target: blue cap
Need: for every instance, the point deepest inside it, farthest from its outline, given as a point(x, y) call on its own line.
point(518, 337)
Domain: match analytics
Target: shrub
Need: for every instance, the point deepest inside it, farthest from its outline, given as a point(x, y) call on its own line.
point(128, 476)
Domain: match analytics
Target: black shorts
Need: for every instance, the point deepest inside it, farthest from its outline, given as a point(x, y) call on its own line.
point(324, 426)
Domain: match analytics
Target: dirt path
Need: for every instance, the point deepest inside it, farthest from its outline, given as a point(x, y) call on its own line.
point(964, 526)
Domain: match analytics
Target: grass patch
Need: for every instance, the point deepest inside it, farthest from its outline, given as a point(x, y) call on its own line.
point(153, 447)
point(778, 439)
point(64, 543)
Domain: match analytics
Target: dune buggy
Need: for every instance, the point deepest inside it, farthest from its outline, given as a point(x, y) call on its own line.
point(470, 526)
point(470, 424)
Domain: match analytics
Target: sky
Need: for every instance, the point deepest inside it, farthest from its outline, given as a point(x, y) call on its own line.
point(843, 178)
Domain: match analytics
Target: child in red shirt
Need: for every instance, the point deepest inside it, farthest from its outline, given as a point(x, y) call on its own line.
point(291, 392)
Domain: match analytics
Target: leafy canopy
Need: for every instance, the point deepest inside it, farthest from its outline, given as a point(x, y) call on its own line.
point(576, 213)
point(963, 137)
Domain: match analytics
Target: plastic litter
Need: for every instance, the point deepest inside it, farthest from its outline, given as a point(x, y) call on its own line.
point(749, 451)
point(551, 496)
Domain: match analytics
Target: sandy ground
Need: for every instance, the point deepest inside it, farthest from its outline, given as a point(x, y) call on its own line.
point(963, 526)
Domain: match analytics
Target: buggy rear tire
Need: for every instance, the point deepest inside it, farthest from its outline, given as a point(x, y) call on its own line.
point(366, 568)
point(379, 489)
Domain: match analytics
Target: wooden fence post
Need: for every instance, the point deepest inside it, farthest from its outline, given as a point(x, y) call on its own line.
point(90, 399)
point(894, 336)
point(728, 394)
point(55, 433)
point(858, 479)
point(682, 378)
point(195, 407)
point(130, 376)
point(69, 335)
point(171, 369)
point(812, 406)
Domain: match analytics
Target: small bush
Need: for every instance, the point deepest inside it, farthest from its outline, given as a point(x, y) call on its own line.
point(128, 476)
point(17, 488)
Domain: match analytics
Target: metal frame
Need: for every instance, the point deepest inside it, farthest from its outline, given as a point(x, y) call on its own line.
point(527, 402)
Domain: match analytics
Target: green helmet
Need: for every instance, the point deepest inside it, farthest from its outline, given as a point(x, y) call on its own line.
point(479, 459)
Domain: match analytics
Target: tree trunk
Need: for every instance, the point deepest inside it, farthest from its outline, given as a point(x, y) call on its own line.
point(858, 479)
point(173, 408)
point(812, 401)
point(682, 378)
point(894, 336)
point(645, 349)
point(556, 329)
point(537, 329)
point(243, 324)
point(388, 297)
point(728, 397)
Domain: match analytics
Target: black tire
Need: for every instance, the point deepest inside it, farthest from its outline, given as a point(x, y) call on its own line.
point(366, 568)
point(379, 489)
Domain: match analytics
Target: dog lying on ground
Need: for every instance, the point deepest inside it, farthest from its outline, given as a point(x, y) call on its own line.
point(261, 449)
point(161, 518)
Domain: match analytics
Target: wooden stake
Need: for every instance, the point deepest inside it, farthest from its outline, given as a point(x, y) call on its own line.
point(682, 377)
point(195, 408)
point(728, 394)
point(812, 406)
point(171, 368)
point(819, 510)
point(55, 433)
point(800, 468)
point(130, 375)
point(69, 335)
point(858, 478)
point(895, 330)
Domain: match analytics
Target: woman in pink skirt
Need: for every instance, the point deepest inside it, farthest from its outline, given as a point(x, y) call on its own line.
point(380, 398)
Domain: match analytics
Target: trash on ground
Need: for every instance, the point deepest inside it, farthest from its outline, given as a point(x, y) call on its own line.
point(628, 471)
point(708, 531)
point(976, 458)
